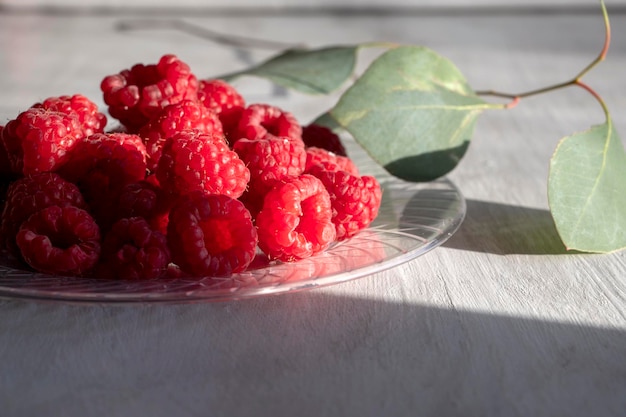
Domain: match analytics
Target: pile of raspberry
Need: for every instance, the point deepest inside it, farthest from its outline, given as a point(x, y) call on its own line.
point(191, 180)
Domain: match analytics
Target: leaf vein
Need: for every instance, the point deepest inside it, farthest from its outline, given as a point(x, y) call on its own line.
point(607, 142)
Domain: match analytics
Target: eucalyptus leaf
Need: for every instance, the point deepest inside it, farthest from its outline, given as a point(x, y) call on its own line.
point(587, 190)
point(325, 119)
point(310, 71)
point(413, 112)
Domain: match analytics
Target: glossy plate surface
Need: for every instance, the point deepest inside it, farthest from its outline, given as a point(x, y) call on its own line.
point(413, 219)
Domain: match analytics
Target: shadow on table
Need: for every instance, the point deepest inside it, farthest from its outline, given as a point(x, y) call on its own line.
point(506, 229)
point(307, 354)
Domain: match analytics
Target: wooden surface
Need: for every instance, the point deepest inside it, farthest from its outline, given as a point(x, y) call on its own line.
point(310, 4)
point(497, 322)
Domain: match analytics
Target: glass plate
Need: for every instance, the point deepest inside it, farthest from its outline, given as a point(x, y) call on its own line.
point(413, 219)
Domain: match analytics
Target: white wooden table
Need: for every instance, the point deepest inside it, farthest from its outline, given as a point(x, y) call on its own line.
point(497, 322)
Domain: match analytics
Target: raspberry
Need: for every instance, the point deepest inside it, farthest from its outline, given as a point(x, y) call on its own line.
point(85, 110)
point(186, 115)
point(60, 240)
point(269, 160)
point(315, 156)
point(319, 136)
point(137, 94)
point(193, 161)
point(6, 176)
point(295, 221)
point(40, 140)
point(132, 250)
point(31, 194)
point(5, 168)
point(211, 235)
point(147, 200)
point(219, 96)
point(101, 165)
point(355, 200)
point(111, 160)
point(224, 100)
point(4, 158)
point(257, 120)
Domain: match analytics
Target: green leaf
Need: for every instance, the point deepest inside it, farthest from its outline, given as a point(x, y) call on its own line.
point(587, 190)
point(413, 112)
point(310, 71)
point(325, 119)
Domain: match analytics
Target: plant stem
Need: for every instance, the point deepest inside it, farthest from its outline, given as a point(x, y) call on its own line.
point(515, 98)
point(204, 33)
point(596, 95)
point(605, 48)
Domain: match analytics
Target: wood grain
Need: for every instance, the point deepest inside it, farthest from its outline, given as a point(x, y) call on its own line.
point(500, 321)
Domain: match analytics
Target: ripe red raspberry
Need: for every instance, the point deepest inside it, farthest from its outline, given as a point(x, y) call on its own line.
point(4, 159)
point(295, 221)
point(132, 250)
point(101, 165)
point(137, 94)
point(5, 166)
point(258, 120)
point(40, 140)
point(60, 240)
point(319, 136)
point(144, 199)
point(186, 115)
point(6, 176)
point(224, 100)
point(219, 96)
point(193, 161)
point(315, 156)
point(91, 120)
point(112, 160)
point(269, 159)
point(211, 235)
point(31, 194)
point(355, 200)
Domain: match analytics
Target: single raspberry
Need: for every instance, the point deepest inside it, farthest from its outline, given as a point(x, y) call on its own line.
point(211, 235)
point(110, 159)
point(60, 240)
point(269, 159)
point(295, 221)
point(6, 175)
point(193, 161)
point(40, 140)
point(186, 115)
point(319, 136)
point(355, 200)
point(257, 120)
point(132, 250)
point(91, 120)
point(5, 168)
point(145, 199)
point(31, 194)
point(224, 100)
point(219, 96)
point(137, 94)
point(101, 165)
point(315, 156)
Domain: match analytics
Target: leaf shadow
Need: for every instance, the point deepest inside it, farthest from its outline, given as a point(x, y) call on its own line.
point(427, 166)
point(505, 229)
